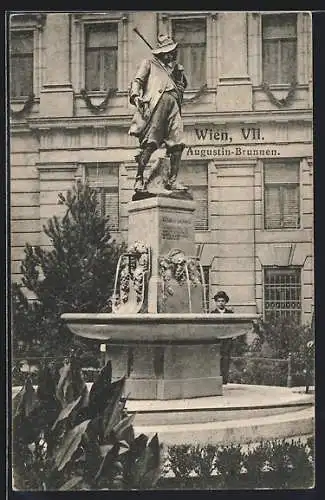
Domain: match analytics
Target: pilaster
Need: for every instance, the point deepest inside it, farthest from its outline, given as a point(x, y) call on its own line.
point(56, 99)
point(235, 87)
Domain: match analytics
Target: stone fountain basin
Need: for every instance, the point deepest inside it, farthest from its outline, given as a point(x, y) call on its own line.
point(159, 328)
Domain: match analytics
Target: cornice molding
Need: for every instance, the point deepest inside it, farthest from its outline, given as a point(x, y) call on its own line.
point(90, 17)
point(38, 125)
point(44, 167)
point(26, 19)
point(123, 121)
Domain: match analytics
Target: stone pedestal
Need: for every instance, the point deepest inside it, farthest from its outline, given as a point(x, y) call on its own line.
point(163, 224)
point(168, 371)
point(175, 372)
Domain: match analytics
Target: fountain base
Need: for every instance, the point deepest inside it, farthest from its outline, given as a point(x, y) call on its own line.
point(245, 414)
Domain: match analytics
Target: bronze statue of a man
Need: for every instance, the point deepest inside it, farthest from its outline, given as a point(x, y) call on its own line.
point(157, 92)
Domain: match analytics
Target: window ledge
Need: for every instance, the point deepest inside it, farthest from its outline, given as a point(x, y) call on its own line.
point(281, 86)
point(102, 93)
point(281, 229)
point(22, 100)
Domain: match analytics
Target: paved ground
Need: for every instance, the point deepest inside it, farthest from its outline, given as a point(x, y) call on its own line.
point(235, 396)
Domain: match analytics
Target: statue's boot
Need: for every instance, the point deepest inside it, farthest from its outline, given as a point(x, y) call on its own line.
point(142, 159)
point(175, 161)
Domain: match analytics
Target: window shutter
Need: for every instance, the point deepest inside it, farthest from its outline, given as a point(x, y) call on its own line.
point(110, 68)
point(279, 26)
point(190, 34)
point(270, 61)
point(21, 67)
point(195, 176)
point(290, 206)
point(21, 78)
point(279, 48)
point(92, 70)
point(272, 207)
point(198, 69)
point(22, 42)
point(281, 195)
point(281, 173)
point(200, 196)
point(104, 178)
point(101, 57)
point(111, 207)
point(288, 60)
point(102, 35)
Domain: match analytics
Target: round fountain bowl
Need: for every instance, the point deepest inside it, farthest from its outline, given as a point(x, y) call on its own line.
point(165, 356)
point(159, 328)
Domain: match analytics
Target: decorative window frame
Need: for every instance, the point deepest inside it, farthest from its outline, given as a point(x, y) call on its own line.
point(33, 23)
point(304, 47)
point(164, 26)
point(286, 161)
point(78, 44)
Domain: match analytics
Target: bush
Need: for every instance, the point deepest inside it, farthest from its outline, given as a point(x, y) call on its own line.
point(270, 464)
point(260, 371)
point(76, 275)
point(277, 339)
point(66, 437)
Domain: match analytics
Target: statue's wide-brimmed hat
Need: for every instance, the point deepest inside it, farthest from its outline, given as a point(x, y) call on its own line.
point(165, 44)
point(221, 295)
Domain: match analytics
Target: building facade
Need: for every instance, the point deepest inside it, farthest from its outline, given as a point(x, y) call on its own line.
point(247, 117)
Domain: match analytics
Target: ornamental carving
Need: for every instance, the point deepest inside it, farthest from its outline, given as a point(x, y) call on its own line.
point(176, 267)
point(131, 280)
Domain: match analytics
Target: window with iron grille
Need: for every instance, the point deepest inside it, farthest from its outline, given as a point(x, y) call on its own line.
point(190, 34)
point(195, 176)
point(282, 293)
point(101, 56)
point(105, 179)
point(281, 195)
point(21, 63)
point(279, 48)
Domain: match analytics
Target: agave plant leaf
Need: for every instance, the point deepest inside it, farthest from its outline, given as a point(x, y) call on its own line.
point(112, 410)
point(81, 412)
point(136, 451)
point(124, 445)
point(147, 465)
point(105, 448)
point(46, 389)
point(128, 435)
point(26, 400)
point(100, 390)
point(149, 479)
point(152, 464)
point(93, 456)
point(66, 411)
point(61, 388)
point(109, 458)
point(120, 428)
point(70, 445)
point(139, 469)
point(155, 452)
point(73, 484)
point(71, 383)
